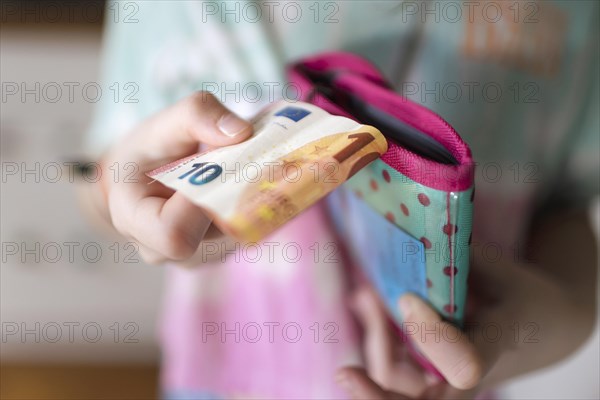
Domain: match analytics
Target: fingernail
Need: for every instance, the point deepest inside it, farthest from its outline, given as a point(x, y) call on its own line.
point(231, 125)
point(405, 305)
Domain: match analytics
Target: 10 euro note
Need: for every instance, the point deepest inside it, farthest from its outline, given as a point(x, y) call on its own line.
point(297, 154)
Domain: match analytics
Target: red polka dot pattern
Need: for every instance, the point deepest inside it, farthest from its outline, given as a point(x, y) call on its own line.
point(429, 284)
point(390, 217)
point(425, 242)
point(423, 199)
point(449, 309)
point(449, 229)
point(404, 209)
point(386, 176)
point(373, 184)
point(358, 194)
point(450, 271)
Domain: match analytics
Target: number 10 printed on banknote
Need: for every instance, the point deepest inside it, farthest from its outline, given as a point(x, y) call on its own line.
point(297, 154)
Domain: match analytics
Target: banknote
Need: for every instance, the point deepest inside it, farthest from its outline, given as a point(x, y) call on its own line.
point(297, 154)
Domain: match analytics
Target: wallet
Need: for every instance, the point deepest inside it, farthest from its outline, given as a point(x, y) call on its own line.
point(405, 218)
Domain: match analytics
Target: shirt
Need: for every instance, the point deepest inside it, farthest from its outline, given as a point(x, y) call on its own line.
point(518, 81)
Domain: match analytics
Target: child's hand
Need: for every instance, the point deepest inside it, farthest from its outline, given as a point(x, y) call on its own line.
point(165, 224)
point(519, 318)
point(392, 374)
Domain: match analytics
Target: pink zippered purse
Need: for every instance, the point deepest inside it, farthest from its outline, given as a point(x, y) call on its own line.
point(406, 218)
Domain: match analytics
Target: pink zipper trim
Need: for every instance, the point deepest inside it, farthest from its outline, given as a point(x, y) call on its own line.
point(365, 80)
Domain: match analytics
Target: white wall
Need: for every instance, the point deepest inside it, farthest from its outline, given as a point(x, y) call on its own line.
point(56, 293)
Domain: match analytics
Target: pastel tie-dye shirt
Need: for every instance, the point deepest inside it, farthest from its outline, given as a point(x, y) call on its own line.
point(522, 90)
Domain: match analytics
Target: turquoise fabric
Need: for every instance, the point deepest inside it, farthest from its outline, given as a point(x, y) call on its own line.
point(546, 71)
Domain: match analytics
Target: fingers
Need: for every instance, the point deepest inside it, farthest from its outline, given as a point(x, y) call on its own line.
point(449, 350)
point(171, 227)
point(358, 385)
point(166, 225)
point(177, 131)
point(378, 340)
point(150, 256)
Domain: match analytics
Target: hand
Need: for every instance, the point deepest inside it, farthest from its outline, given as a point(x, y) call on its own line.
point(165, 224)
point(519, 318)
point(392, 374)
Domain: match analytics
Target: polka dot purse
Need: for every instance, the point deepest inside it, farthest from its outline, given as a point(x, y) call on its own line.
point(405, 218)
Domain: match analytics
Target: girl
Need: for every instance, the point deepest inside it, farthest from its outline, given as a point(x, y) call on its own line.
point(521, 88)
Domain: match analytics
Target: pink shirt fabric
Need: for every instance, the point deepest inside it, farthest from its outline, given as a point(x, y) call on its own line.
point(252, 328)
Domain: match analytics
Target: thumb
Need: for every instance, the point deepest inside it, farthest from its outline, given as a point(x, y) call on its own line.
point(448, 349)
point(177, 131)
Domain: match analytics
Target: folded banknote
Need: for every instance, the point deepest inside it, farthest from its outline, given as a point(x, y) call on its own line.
point(297, 154)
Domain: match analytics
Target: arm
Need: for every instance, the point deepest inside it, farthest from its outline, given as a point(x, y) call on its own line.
point(557, 292)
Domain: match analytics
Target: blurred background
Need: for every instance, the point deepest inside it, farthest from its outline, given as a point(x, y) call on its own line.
point(79, 310)
point(75, 323)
